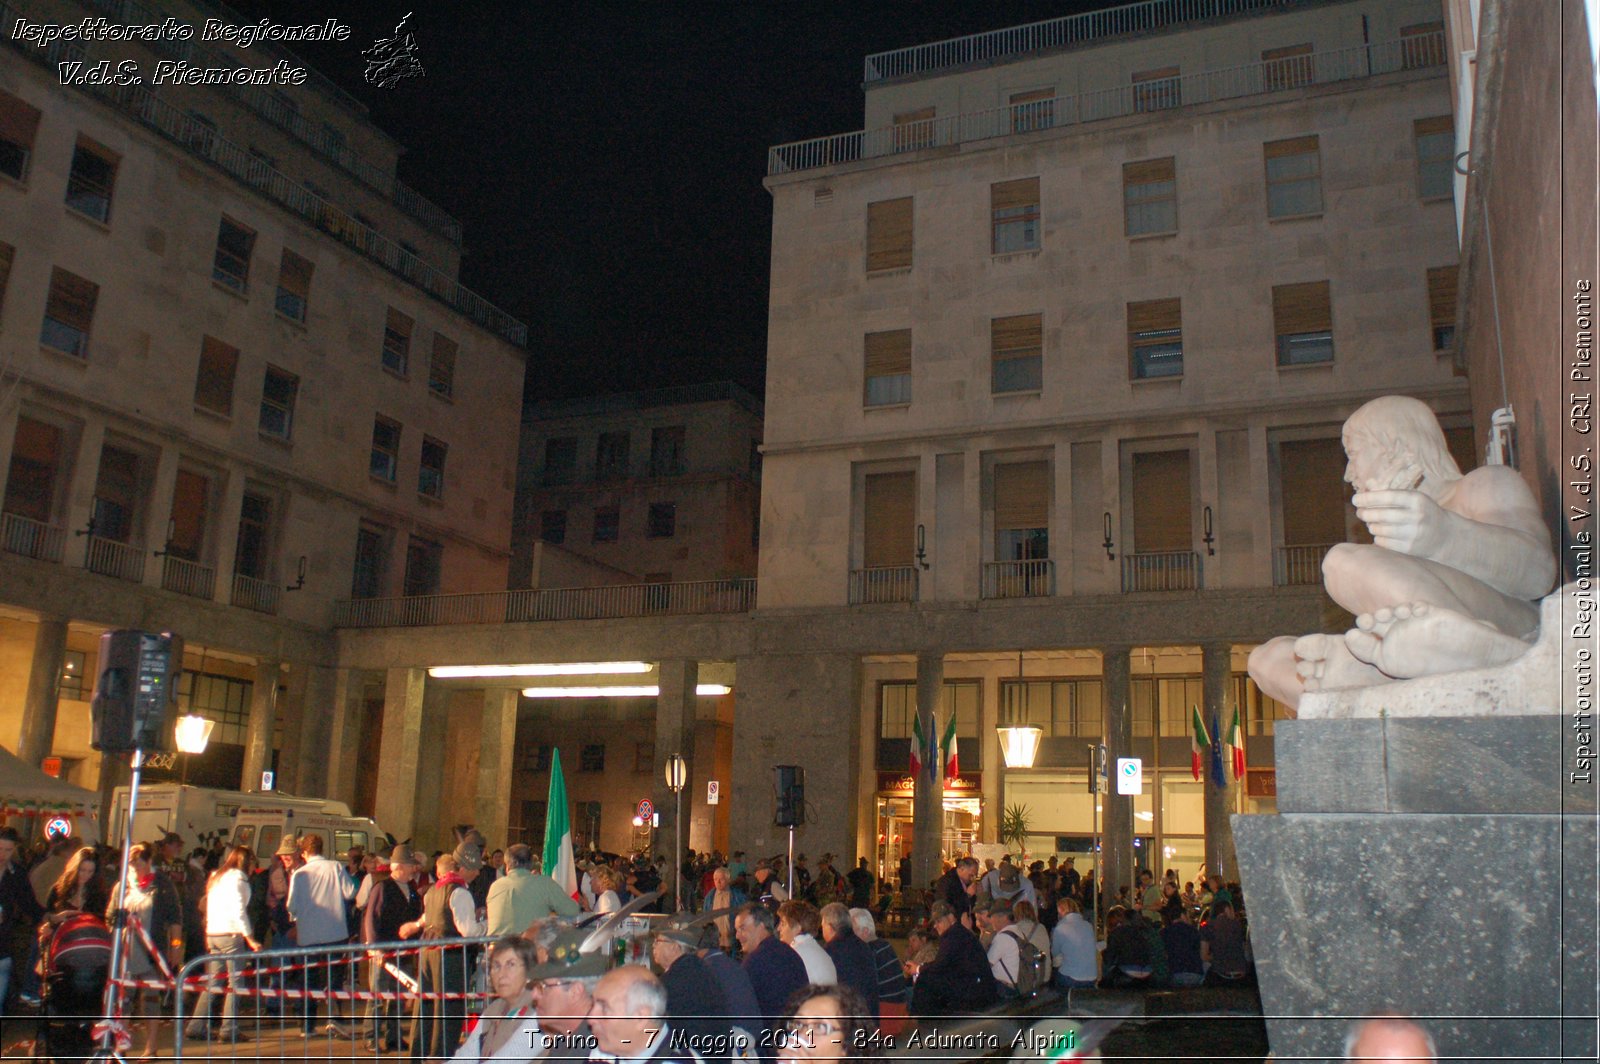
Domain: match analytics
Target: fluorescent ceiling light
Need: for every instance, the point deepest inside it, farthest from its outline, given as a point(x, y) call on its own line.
point(704, 690)
point(558, 668)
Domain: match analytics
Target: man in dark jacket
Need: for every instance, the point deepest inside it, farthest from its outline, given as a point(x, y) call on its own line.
point(954, 889)
point(695, 1002)
point(958, 980)
point(774, 968)
point(852, 958)
point(20, 913)
point(391, 905)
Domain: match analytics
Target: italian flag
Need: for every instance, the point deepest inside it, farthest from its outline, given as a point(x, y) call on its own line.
point(558, 862)
point(1199, 743)
point(919, 743)
point(1236, 746)
point(952, 761)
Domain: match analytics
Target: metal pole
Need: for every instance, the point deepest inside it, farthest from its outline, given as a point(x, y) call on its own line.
point(111, 1002)
point(677, 856)
point(790, 865)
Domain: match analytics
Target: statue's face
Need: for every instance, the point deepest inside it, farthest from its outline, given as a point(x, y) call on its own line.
point(1371, 465)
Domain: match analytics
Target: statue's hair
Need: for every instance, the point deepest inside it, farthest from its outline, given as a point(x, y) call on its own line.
point(1396, 421)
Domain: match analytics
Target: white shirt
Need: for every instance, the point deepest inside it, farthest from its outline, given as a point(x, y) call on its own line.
point(363, 891)
point(607, 902)
point(1004, 957)
point(1072, 948)
point(464, 911)
point(226, 901)
point(317, 893)
point(819, 966)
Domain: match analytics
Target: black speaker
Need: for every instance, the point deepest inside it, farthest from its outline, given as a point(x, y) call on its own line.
point(135, 690)
point(789, 782)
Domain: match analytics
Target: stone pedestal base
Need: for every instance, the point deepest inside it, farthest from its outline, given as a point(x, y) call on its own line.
point(1377, 888)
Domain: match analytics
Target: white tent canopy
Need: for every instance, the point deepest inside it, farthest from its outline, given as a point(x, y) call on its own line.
point(25, 791)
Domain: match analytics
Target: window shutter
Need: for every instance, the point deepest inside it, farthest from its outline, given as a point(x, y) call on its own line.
point(1314, 512)
point(19, 121)
point(72, 299)
point(888, 353)
point(1301, 308)
point(400, 324)
point(1008, 195)
point(889, 234)
point(1155, 315)
point(1293, 146)
point(890, 519)
point(1161, 517)
point(1015, 336)
point(214, 387)
point(1429, 126)
point(7, 254)
point(1442, 282)
point(1022, 495)
point(294, 274)
point(1149, 172)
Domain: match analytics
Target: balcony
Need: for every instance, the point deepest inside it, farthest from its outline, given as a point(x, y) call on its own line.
point(1420, 52)
point(1167, 570)
point(110, 557)
point(252, 594)
point(883, 583)
point(1033, 578)
point(30, 538)
point(1299, 565)
point(188, 578)
point(550, 604)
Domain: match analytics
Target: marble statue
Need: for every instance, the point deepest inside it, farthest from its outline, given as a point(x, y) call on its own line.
point(1450, 581)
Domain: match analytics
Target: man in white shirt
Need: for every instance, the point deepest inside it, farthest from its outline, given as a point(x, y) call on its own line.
point(799, 923)
point(318, 892)
point(1005, 955)
point(448, 911)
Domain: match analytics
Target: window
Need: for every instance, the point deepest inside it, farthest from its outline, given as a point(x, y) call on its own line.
point(8, 254)
point(213, 386)
point(67, 313)
point(914, 129)
point(662, 521)
point(220, 699)
point(1156, 90)
point(396, 342)
point(385, 460)
point(118, 490)
point(592, 757)
point(1422, 45)
point(36, 452)
point(251, 553)
point(1436, 157)
point(430, 478)
point(73, 667)
point(1302, 320)
point(19, 122)
point(191, 495)
point(1163, 515)
point(560, 460)
point(372, 556)
point(887, 367)
point(889, 235)
point(553, 526)
point(1155, 338)
point(1016, 354)
point(1312, 493)
point(424, 558)
point(889, 519)
point(1442, 306)
point(537, 759)
point(89, 183)
point(278, 392)
point(611, 456)
point(1287, 68)
point(294, 285)
point(442, 367)
point(1021, 511)
point(1035, 109)
point(231, 265)
point(1014, 214)
point(897, 711)
point(644, 758)
point(607, 519)
point(1294, 177)
point(667, 451)
point(1150, 197)
point(1060, 708)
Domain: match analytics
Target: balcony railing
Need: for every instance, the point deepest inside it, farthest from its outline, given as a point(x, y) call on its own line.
point(550, 604)
point(188, 578)
point(883, 583)
point(252, 594)
point(30, 538)
point(1252, 79)
point(1293, 566)
point(110, 557)
point(1167, 570)
point(1035, 578)
point(1052, 33)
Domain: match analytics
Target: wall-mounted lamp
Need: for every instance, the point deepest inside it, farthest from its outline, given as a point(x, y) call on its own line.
point(922, 547)
point(300, 576)
point(1209, 538)
point(1108, 544)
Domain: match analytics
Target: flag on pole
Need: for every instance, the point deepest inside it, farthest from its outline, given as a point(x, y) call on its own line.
point(952, 760)
point(1236, 746)
point(1199, 742)
point(918, 744)
point(1217, 775)
point(558, 862)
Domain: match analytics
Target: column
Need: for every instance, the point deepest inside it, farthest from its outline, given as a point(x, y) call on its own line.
point(927, 803)
point(675, 733)
point(228, 533)
point(1216, 670)
point(44, 675)
point(319, 744)
point(1116, 817)
point(158, 512)
point(429, 784)
point(299, 731)
point(398, 751)
point(8, 439)
point(85, 473)
point(993, 765)
point(344, 734)
point(496, 764)
point(258, 732)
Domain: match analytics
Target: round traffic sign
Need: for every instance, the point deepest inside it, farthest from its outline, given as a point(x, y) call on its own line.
point(646, 809)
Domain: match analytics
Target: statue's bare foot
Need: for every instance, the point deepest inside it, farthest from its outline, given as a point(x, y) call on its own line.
point(1416, 639)
point(1324, 663)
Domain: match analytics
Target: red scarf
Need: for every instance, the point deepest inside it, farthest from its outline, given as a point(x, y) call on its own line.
point(450, 879)
point(147, 881)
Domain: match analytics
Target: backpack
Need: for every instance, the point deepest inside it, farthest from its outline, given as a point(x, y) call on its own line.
point(1031, 965)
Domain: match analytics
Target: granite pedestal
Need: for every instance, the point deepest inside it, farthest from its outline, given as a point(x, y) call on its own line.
point(1440, 867)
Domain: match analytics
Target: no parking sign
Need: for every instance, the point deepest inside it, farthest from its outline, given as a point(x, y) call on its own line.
point(1130, 775)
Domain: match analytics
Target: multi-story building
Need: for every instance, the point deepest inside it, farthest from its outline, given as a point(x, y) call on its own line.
point(239, 383)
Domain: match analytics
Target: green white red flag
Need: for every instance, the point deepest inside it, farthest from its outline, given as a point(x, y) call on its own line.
point(1199, 742)
point(952, 761)
point(558, 862)
point(1236, 746)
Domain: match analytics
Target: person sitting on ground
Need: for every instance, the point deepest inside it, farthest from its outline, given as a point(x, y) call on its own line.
point(798, 925)
point(1126, 961)
point(774, 968)
point(1028, 925)
point(1182, 942)
point(1072, 947)
point(852, 958)
point(695, 1001)
point(958, 979)
point(892, 985)
point(1222, 947)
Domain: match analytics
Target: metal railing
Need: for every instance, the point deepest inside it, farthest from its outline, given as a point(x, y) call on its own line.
point(30, 538)
point(883, 583)
point(550, 604)
point(188, 578)
point(252, 594)
point(110, 557)
point(1034, 578)
point(1252, 79)
point(1167, 570)
point(1293, 566)
point(1052, 33)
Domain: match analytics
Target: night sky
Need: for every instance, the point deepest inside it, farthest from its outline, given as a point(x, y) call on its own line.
point(606, 158)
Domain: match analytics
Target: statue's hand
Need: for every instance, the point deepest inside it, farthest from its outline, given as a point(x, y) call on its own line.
point(1405, 521)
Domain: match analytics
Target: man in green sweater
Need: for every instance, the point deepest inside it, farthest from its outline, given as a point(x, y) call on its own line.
point(522, 896)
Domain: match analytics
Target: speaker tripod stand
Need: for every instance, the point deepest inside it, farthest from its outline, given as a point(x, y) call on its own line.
point(111, 1004)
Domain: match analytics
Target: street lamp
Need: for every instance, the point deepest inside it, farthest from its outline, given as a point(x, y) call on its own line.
point(192, 733)
point(677, 775)
point(1019, 742)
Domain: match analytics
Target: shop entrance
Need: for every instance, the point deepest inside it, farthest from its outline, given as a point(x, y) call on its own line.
point(961, 821)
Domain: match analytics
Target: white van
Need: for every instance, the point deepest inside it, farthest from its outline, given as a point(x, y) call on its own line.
point(199, 814)
point(257, 819)
point(263, 821)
